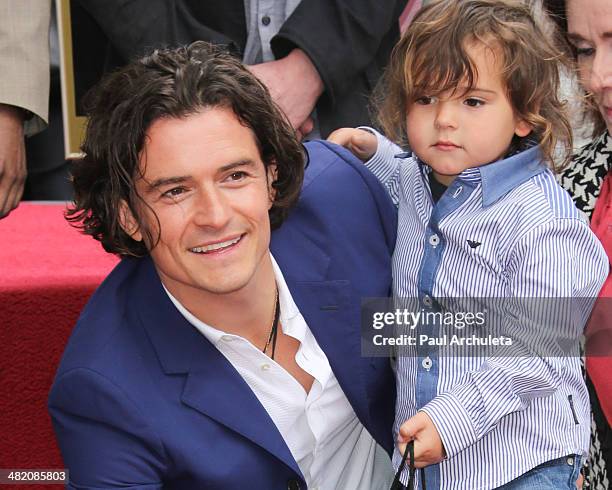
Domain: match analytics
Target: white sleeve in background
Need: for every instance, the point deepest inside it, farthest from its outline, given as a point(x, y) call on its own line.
point(24, 59)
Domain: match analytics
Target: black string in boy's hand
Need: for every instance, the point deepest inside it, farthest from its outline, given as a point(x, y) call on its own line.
point(428, 447)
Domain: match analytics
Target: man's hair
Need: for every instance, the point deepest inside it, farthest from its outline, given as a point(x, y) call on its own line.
point(557, 10)
point(170, 83)
point(431, 58)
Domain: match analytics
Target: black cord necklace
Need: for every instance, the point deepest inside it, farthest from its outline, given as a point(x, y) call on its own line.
point(274, 329)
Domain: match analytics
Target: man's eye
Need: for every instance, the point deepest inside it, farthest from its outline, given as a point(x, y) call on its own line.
point(425, 100)
point(471, 102)
point(174, 192)
point(237, 176)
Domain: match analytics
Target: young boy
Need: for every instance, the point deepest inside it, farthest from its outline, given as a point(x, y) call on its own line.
point(472, 89)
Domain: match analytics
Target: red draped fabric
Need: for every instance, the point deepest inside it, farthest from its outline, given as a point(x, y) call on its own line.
point(48, 270)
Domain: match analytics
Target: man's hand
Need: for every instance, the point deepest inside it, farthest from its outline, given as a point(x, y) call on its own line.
point(360, 143)
point(295, 85)
point(12, 158)
point(428, 448)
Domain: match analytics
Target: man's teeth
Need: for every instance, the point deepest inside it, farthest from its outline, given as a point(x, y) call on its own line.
point(215, 246)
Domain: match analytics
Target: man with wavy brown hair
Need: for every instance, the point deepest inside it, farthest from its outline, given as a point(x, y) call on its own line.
point(218, 354)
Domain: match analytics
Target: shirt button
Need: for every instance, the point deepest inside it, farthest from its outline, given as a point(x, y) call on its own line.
point(227, 338)
point(265, 20)
point(458, 191)
point(434, 240)
point(265, 367)
point(427, 301)
point(570, 461)
point(427, 363)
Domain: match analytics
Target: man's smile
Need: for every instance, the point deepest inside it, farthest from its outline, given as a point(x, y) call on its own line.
point(218, 246)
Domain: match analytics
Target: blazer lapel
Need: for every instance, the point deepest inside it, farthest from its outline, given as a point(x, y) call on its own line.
point(330, 309)
point(213, 387)
point(334, 321)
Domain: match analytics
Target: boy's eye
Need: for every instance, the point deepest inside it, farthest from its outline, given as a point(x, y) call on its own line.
point(472, 102)
point(425, 100)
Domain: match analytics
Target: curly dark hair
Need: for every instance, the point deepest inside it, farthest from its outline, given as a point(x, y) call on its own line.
point(432, 56)
point(170, 83)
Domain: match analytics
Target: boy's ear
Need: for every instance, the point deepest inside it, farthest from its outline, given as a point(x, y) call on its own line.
point(128, 222)
point(522, 128)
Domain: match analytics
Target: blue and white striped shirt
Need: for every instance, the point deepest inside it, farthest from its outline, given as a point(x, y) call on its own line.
point(498, 417)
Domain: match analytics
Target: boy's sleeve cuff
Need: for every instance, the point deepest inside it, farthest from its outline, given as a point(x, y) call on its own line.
point(383, 163)
point(452, 422)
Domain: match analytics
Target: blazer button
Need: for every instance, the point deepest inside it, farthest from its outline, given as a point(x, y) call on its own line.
point(293, 485)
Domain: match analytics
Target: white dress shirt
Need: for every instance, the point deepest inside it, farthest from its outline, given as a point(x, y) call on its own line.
point(332, 448)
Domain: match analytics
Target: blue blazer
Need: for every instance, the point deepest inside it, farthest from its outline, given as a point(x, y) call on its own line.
point(143, 401)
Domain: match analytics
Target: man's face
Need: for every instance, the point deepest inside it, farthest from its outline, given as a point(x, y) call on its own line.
point(204, 179)
point(460, 130)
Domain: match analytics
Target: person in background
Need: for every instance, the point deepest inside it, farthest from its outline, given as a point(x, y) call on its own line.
point(588, 27)
point(48, 170)
point(316, 55)
point(24, 89)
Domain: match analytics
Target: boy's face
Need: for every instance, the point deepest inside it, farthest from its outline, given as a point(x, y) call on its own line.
point(456, 131)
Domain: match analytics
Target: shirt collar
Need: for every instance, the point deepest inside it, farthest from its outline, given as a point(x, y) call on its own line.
point(500, 177)
point(288, 309)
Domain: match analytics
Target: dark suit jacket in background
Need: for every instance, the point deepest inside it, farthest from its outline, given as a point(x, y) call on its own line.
point(348, 41)
point(142, 400)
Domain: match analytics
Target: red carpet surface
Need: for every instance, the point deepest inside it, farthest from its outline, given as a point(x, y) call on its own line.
point(48, 270)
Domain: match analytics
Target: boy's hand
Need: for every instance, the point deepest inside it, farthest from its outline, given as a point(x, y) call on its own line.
point(428, 448)
point(360, 143)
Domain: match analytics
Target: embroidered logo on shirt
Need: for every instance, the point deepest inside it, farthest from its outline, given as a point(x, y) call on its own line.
point(473, 244)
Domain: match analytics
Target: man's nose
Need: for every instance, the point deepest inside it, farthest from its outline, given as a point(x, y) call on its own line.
point(213, 209)
point(445, 115)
